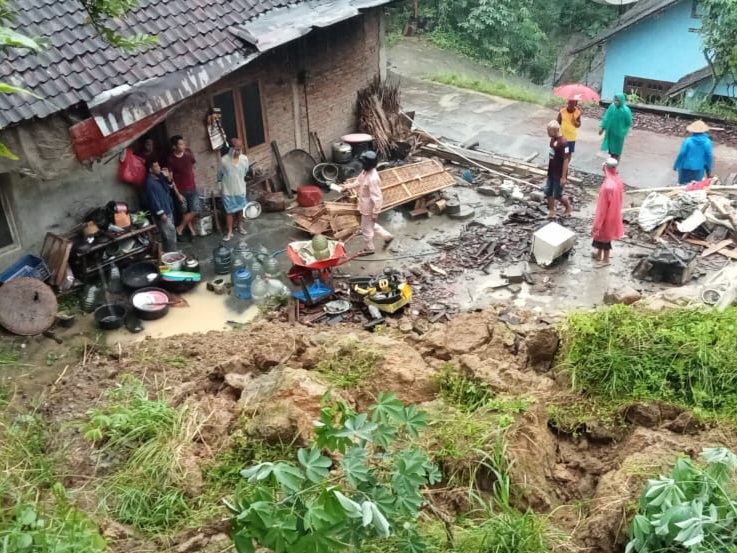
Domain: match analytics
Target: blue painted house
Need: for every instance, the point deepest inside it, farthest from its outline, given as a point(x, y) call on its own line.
point(654, 50)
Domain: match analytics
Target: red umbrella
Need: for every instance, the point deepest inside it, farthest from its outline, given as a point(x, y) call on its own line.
point(579, 92)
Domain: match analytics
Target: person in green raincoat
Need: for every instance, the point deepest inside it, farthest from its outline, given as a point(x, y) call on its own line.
point(616, 124)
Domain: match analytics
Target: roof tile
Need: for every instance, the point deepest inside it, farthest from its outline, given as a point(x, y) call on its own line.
point(77, 65)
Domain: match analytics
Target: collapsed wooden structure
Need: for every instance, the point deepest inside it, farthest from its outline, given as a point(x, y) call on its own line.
point(399, 185)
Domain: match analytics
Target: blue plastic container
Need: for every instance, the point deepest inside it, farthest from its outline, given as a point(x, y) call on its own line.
point(242, 283)
point(27, 266)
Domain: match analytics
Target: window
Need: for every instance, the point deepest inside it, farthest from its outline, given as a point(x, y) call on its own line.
point(648, 90)
point(243, 114)
point(697, 9)
point(7, 227)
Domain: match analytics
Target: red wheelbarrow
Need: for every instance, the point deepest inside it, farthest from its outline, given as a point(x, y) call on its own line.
point(304, 265)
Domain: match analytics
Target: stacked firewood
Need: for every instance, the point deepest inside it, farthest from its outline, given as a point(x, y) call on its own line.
point(379, 114)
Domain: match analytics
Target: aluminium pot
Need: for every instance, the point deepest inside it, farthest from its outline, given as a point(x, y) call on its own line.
point(342, 152)
point(140, 275)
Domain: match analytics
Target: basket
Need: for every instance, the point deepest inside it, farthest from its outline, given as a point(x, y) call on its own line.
point(27, 266)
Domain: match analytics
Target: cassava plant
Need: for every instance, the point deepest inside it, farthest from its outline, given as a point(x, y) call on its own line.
point(694, 510)
point(361, 478)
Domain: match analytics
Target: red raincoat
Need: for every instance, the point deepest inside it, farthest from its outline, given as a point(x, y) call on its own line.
point(608, 218)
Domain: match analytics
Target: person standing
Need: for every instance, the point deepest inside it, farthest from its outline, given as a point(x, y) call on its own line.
point(232, 181)
point(569, 119)
point(608, 224)
point(159, 197)
point(559, 158)
point(370, 202)
point(696, 155)
point(616, 124)
point(181, 163)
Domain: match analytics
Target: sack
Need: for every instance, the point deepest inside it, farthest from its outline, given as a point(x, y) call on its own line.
point(132, 168)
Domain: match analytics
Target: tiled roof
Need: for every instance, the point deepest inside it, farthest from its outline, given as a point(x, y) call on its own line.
point(77, 65)
point(689, 80)
point(642, 10)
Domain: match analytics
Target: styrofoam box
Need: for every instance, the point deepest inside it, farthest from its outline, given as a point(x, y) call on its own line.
point(550, 242)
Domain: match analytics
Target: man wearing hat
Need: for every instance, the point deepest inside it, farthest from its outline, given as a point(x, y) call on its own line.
point(696, 154)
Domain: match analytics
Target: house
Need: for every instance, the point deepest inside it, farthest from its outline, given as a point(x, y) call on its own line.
point(650, 48)
point(277, 69)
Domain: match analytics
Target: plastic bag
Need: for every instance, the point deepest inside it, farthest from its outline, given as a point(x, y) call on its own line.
point(653, 211)
point(132, 168)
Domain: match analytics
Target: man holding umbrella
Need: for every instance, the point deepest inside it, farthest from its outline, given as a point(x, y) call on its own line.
point(569, 117)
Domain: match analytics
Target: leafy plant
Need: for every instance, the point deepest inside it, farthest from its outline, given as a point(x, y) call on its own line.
point(694, 509)
point(369, 484)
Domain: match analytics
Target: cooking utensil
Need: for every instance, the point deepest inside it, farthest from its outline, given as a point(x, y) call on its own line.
point(173, 260)
point(110, 316)
point(139, 275)
point(337, 307)
point(150, 304)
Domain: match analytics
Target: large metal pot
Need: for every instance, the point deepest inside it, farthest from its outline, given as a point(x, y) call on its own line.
point(150, 304)
point(342, 152)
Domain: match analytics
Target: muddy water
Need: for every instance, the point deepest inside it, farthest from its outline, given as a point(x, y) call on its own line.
point(206, 311)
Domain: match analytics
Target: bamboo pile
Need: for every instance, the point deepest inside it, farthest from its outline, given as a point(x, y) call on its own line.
point(379, 115)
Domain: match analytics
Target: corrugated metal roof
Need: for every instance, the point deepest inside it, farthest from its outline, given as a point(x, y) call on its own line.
point(642, 10)
point(76, 62)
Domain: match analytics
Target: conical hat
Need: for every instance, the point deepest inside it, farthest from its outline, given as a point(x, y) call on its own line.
point(698, 126)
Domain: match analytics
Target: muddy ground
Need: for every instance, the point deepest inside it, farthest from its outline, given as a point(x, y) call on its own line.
point(584, 473)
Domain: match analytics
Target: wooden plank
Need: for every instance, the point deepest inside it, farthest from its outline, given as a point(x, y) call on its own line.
point(282, 170)
point(716, 247)
point(56, 251)
point(731, 254)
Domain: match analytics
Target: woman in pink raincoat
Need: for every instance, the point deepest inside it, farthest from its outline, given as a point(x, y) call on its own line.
point(608, 217)
point(370, 202)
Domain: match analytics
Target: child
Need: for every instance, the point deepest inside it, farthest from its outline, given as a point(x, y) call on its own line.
point(370, 201)
point(608, 218)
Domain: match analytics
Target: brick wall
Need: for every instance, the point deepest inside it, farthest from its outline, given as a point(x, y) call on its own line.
point(336, 62)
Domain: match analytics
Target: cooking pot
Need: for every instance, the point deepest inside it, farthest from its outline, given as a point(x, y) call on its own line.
point(110, 316)
point(173, 260)
point(150, 304)
point(342, 152)
point(139, 275)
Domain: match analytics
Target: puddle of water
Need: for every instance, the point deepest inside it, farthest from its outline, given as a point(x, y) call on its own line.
point(207, 311)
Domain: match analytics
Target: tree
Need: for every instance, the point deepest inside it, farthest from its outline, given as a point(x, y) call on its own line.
point(99, 12)
point(719, 38)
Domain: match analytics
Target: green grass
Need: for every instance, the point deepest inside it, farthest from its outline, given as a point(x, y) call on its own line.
point(469, 394)
point(149, 438)
point(681, 356)
point(584, 416)
point(501, 89)
point(36, 512)
point(351, 366)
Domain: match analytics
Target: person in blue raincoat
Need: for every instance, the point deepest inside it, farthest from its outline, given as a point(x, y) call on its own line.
point(696, 155)
point(232, 182)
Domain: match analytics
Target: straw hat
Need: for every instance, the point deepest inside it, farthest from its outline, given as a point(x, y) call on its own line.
point(698, 127)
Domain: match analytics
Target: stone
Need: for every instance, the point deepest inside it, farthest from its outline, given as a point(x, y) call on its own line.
point(465, 333)
point(198, 541)
point(487, 191)
point(642, 414)
point(541, 349)
point(685, 423)
point(515, 274)
point(515, 288)
point(625, 295)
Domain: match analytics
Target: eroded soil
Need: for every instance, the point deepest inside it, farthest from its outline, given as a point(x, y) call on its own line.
point(586, 476)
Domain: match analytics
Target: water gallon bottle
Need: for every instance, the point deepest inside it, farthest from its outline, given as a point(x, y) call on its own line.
point(90, 298)
point(242, 283)
point(259, 291)
point(115, 285)
point(222, 259)
point(271, 267)
point(248, 258)
point(257, 269)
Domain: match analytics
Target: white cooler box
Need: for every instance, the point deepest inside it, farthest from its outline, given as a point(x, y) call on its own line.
point(550, 242)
